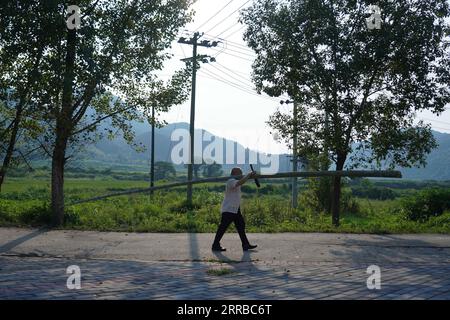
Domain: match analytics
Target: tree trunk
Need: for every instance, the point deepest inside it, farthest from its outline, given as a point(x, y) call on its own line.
point(337, 191)
point(64, 127)
point(11, 145)
point(58, 162)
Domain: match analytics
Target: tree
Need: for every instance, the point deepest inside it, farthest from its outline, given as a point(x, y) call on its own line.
point(212, 170)
point(25, 33)
point(164, 170)
point(104, 70)
point(356, 86)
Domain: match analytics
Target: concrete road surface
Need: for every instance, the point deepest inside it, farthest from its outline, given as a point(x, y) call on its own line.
point(33, 265)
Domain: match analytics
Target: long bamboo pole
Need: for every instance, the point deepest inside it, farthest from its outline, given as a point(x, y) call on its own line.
point(371, 174)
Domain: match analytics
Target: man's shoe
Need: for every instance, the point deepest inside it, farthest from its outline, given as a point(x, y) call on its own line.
point(218, 248)
point(248, 247)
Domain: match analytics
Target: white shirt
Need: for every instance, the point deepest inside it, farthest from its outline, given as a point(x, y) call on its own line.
point(232, 200)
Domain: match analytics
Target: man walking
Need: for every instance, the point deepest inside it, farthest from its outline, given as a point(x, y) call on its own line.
point(231, 211)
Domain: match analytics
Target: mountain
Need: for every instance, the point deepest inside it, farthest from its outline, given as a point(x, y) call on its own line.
point(438, 162)
point(118, 152)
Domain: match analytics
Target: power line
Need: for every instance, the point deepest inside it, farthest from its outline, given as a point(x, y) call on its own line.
point(241, 52)
point(233, 71)
point(229, 42)
point(240, 47)
point(208, 76)
point(214, 15)
point(228, 28)
point(239, 82)
point(246, 82)
point(233, 33)
point(236, 86)
point(221, 21)
point(245, 86)
point(233, 55)
point(228, 82)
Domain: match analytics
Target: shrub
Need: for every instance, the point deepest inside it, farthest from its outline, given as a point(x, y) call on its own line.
point(348, 202)
point(37, 216)
point(425, 204)
point(372, 192)
point(181, 206)
point(311, 199)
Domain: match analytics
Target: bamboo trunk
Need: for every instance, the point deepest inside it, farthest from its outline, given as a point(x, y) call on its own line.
point(374, 174)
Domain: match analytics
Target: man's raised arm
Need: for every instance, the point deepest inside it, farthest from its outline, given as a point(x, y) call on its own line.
point(245, 178)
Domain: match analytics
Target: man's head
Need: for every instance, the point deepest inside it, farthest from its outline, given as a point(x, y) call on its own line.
point(236, 171)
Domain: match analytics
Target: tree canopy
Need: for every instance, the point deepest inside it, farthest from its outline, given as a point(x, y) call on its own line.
point(355, 86)
point(103, 69)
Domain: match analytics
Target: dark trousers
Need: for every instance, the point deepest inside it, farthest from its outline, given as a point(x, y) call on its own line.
point(227, 219)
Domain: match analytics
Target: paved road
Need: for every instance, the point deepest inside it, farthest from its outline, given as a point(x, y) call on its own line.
point(33, 265)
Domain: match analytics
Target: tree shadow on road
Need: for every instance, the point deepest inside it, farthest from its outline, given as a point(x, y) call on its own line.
point(5, 248)
point(416, 268)
point(410, 268)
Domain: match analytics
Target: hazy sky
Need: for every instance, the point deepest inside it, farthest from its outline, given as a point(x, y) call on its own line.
point(226, 105)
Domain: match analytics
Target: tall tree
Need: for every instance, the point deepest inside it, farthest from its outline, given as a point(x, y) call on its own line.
point(25, 33)
point(104, 69)
point(356, 85)
point(164, 170)
point(212, 170)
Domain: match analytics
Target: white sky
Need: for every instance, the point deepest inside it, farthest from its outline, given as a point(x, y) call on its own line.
point(228, 109)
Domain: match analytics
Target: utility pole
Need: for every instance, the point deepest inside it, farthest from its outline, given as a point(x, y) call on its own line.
point(203, 58)
point(152, 157)
point(294, 152)
point(294, 158)
point(326, 164)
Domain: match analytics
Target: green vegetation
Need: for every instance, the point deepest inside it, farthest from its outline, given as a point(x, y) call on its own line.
point(349, 109)
point(25, 202)
point(426, 204)
point(220, 272)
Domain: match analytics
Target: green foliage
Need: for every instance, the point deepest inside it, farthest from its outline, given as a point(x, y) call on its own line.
point(212, 170)
point(375, 193)
point(317, 196)
point(24, 202)
point(369, 83)
point(426, 204)
point(220, 272)
point(34, 213)
point(366, 189)
point(313, 198)
point(79, 78)
point(164, 170)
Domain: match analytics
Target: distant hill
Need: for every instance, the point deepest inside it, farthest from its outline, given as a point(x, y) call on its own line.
point(438, 162)
point(118, 152)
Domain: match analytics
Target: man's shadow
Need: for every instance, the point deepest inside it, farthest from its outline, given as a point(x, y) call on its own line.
point(245, 261)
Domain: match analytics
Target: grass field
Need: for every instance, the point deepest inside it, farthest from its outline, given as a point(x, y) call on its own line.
point(24, 202)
